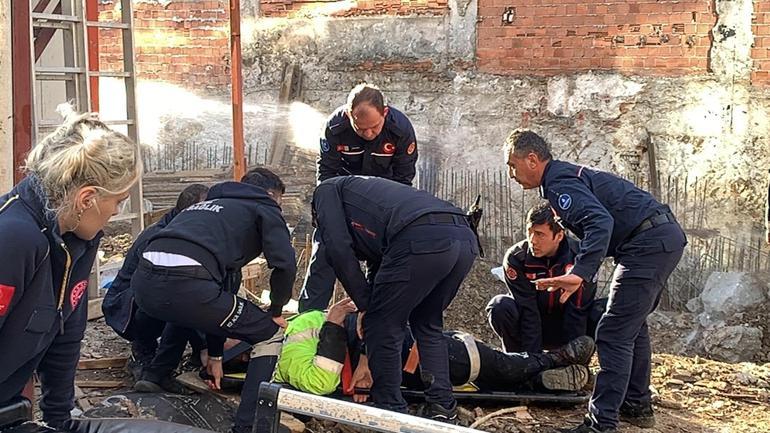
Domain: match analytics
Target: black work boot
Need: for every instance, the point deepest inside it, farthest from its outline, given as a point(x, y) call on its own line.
point(588, 426)
point(638, 414)
point(141, 357)
point(166, 384)
point(569, 378)
point(438, 412)
point(577, 351)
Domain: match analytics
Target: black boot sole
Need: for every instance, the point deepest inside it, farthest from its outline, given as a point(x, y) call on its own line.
point(569, 378)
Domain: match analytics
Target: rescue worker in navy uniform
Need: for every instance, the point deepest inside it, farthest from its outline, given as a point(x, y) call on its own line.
point(418, 250)
point(612, 218)
point(151, 362)
point(50, 227)
point(528, 320)
point(185, 276)
point(366, 137)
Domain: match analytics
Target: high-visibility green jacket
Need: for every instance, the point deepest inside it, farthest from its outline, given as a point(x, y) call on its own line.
point(312, 355)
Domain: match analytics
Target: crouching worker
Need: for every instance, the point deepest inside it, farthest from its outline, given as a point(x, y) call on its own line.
point(50, 227)
point(318, 346)
point(189, 272)
point(151, 363)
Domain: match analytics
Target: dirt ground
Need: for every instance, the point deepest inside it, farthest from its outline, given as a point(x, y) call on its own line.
point(691, 394)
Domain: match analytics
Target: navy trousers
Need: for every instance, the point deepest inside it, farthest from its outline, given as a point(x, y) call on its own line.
point(644, 263)
point(419, 276)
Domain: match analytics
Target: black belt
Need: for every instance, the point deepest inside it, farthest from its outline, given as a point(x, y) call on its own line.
point(440, 218)
point(653, 221)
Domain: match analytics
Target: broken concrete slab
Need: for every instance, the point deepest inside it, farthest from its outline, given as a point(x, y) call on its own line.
point(732, 343)
point(729, 293)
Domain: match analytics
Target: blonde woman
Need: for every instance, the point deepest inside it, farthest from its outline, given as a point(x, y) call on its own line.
point(50, 227)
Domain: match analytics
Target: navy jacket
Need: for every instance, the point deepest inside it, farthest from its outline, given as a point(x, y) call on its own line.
point(598, 207)
point(539, 309)
point(391, 155)
point(236, 223)
point(118, 305)
point(358, 217)
point(43, 299)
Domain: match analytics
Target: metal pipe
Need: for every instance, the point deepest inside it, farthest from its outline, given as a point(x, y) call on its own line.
point(353, 414)
point(239, 165)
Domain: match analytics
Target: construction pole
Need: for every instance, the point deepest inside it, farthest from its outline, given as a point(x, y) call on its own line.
point(92, 14)
point(21, 77)
point(239, 162)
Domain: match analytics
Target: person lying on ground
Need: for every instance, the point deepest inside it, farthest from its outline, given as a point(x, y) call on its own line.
point(318, 347)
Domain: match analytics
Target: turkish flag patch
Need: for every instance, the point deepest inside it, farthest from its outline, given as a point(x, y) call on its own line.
point(388, 148)
point(412, 147)
point(511, 273)
point(77, 293)
point(6, 296)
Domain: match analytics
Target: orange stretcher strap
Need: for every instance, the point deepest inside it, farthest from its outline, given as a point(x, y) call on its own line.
point(413, 360)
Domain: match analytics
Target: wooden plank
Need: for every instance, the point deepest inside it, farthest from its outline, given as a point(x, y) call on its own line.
point(194, 382)
point(85, 404)
point(95, 309)
point(99, 383)
point(98, 364)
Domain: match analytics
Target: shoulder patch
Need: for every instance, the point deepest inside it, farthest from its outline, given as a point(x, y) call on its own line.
point(324, 145)
point(511, 273)
point(6, 296)
point(412, 147)
point(77, 292)
point(565, 201)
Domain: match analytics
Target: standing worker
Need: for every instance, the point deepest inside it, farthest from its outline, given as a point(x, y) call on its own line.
point(418, 250)
point(612, 218)
point(363, 137)
point(50, 227)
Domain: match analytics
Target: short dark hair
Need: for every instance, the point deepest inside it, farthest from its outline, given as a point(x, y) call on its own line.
point(264, 178)
point(522, 142)
point(192, 194)
point(542, 213)
point(366, 93)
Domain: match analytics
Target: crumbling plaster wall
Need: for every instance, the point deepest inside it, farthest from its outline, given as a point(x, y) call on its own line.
point(711, 126)
point(6, 109)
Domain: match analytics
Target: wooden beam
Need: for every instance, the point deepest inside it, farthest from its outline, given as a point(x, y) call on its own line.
point(99, 383)
point(95, 309)
point(239, 161)
point(102, 363)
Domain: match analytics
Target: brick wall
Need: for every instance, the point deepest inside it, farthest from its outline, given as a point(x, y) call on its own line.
point(185, 42)
point(278, 8)
point(644, 37)
point(760, 52)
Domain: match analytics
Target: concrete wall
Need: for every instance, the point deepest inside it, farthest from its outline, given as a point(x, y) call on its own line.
point(710, 124)
point(708, 121)
point(6, 108)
